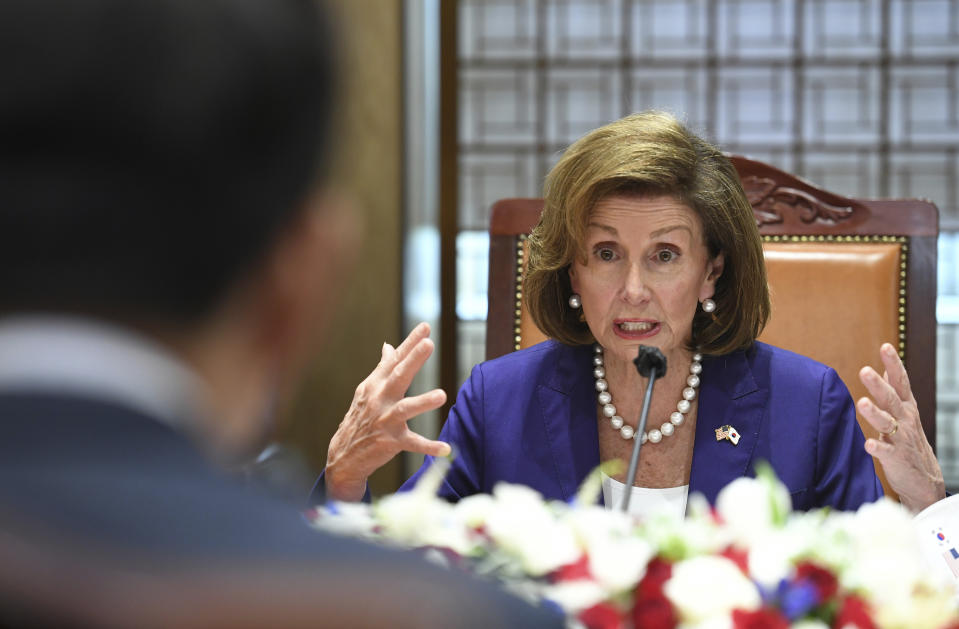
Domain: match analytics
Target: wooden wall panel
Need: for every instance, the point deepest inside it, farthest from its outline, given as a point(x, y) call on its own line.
point(367, 165)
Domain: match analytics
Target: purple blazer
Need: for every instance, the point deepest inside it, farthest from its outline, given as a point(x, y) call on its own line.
point(530, 417)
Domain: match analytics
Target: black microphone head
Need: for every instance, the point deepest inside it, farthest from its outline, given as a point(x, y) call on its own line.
point(650, 360)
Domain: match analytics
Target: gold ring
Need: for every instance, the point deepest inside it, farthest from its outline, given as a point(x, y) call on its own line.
point(895, 427)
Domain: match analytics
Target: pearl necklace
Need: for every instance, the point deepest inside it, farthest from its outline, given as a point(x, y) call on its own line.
point(675, 419)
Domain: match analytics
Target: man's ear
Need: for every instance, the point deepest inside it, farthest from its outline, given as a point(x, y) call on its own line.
point(306, 270)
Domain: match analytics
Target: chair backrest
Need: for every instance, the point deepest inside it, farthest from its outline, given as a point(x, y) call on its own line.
point(844, 275)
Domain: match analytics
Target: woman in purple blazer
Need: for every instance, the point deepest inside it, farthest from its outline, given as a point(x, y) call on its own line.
point(646, 238)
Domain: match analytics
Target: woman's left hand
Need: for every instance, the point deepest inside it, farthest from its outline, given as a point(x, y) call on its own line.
point(906, 456)
point(375, 429)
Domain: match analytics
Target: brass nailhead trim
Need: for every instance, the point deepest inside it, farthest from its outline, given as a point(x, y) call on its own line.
point(903, 266)
point(518, 310)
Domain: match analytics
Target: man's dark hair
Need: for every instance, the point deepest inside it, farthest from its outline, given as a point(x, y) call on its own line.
point(151, 150)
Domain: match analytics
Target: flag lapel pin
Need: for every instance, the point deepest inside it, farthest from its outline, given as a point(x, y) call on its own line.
point(728, 433)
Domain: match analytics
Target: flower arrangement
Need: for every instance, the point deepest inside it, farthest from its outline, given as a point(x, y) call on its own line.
point(748, 563)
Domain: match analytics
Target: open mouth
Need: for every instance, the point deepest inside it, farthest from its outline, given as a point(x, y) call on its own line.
point(635, 329)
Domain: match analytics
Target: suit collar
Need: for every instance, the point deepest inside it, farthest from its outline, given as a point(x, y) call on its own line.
point(565, 396)
point(569, 367)
point(729, 395)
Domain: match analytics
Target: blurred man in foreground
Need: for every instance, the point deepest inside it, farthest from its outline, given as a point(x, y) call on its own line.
point(166, 256)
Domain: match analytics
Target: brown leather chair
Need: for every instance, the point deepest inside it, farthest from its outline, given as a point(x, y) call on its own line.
point(845, 275)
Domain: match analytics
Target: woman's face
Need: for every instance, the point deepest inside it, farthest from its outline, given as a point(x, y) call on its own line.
point(647, 268)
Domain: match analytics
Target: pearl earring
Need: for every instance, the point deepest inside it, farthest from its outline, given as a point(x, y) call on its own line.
point(709, 305)
point(575, 302)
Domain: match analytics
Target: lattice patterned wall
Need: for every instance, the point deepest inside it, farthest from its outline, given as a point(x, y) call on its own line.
point(859, 96)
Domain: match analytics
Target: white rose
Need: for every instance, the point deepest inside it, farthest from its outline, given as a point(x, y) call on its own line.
point(617, 554)
point(886, 574)
point(704, 588)
point(345, 518)
point(887, 561)
point(575, 596)
point(523, 525)
point(474, 510)
point(411, 518)
point(773, 555)
point(619, 564)
point(881, 524)
point(703, 536)
point(750, 507)
point(594, 524)
point(770, 562)
point(401, 515)
point(835, 549)
point(695, 535)
point(901, 593)
point(886, 566)
point(719, 622)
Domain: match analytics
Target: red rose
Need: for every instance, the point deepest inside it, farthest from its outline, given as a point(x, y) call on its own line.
point(658, 572)
point(651, 608)
point(602, 616)
point(654, 613)
point(579, 569)
point(737, 556)
point(853, 612)
point(764, 618)
point(822, 579)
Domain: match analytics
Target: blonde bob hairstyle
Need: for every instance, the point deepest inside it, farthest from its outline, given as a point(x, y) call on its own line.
point(649, 154)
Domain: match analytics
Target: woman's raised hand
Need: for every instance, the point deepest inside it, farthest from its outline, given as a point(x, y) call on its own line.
point(902, 449)
point(374, 429)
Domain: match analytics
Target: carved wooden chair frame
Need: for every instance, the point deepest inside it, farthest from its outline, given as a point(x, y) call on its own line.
point(788, 211)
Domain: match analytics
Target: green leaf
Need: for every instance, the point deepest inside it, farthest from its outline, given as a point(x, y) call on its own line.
point(592, 486)
point(774, 489)
point(429, 483)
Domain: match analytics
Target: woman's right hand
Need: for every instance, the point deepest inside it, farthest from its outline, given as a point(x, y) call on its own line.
point(902, 448)
point(374, 429)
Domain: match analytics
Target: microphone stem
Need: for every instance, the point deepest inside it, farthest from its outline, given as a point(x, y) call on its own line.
point(638, 438)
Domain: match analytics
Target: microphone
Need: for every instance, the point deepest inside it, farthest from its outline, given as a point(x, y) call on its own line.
point(650, 363)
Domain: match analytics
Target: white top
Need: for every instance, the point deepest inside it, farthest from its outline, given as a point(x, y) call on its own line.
point(79, 356)
point(644, 501)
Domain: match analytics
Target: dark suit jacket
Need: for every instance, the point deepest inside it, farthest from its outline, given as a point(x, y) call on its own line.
point(530, 417)
point(110, 482)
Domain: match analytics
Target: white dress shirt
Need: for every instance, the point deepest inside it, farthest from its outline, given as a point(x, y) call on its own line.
point(645, 501)
point(90, 358)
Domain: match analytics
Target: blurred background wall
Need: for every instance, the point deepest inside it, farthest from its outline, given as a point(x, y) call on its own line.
point(368, 166)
